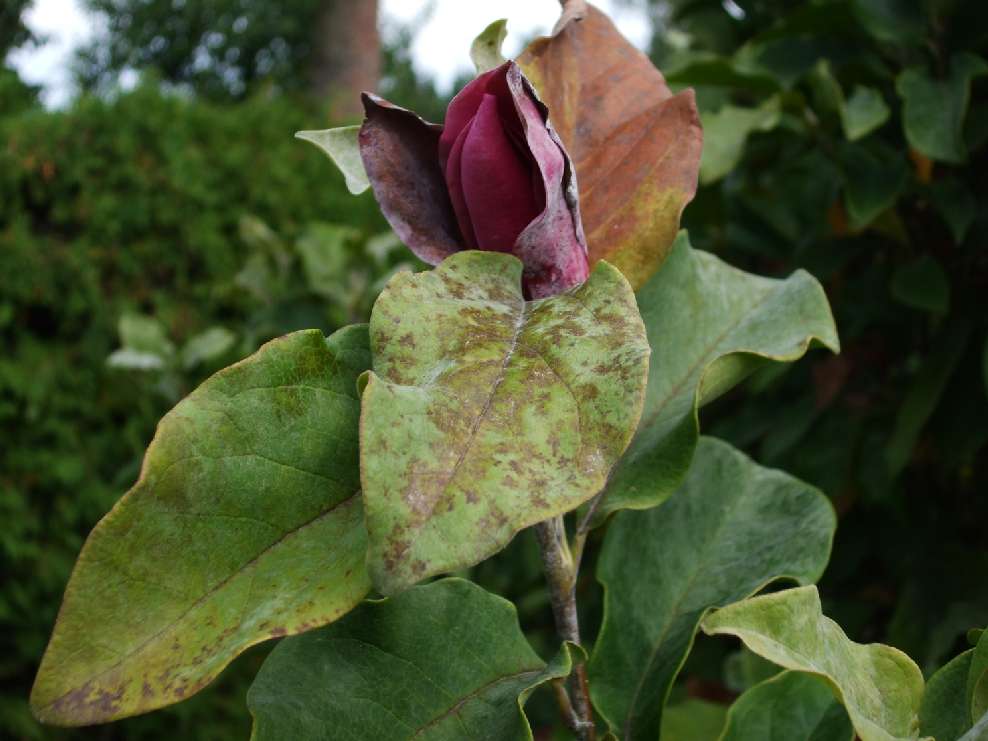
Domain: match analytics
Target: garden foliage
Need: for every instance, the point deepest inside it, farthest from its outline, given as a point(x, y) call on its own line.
point(842, 141)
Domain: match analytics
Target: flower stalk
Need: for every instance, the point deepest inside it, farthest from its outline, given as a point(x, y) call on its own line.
point(560, 573)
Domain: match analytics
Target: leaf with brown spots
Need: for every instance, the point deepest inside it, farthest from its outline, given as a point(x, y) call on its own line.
point(635, 145)
point(443, 661)
point(486, 414)
point(246, 523)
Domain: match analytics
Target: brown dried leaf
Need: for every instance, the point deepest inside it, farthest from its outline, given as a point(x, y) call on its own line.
point(635, 145)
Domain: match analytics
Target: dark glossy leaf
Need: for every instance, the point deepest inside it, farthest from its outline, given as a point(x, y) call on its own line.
point(897, 21)
point(732, 528)
point(441, 661)
point(922, 284)
point(709, 326)
point(924, 395)
point(725, 133)
point(977, 680)
point(945, 714)
point(486, 414)
point(874, 179)
point(245, 524)
point(934, 109)
point(788, 707)
point(956, 203)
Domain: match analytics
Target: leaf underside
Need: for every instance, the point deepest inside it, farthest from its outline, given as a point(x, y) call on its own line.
point(245, 524)
point(513, 413)
point(732, 528)
point(442, 661)
point(709, 325)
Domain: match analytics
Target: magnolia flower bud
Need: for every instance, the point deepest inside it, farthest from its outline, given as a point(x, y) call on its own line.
point(495, 177)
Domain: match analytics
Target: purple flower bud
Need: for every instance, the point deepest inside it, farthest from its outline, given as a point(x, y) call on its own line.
point(495, 178)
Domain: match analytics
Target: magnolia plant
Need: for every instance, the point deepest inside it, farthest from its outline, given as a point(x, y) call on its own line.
point(546, 374)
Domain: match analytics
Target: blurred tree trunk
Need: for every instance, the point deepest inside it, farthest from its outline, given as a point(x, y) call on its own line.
point(346, 56)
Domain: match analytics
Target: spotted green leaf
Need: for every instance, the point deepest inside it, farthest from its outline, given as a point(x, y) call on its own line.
point(245, 524)
point(442, 661)
point(486, 413)
point(485, 51)
point(725, 133)
point(340, 145)
point(732, 528)
point(788, 707)
point(709, 326)
point(879, 686)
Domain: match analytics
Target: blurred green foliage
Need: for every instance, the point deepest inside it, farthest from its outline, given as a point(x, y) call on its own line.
point(171, 237)
point(848, 137)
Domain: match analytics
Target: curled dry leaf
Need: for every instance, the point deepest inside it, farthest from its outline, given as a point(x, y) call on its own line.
point(635, 145)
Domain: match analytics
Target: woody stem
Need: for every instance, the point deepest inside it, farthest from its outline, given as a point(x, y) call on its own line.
point(560, 574)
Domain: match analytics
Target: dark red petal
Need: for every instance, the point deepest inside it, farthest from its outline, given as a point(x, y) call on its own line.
point(461, 111)
point(552, 247)
point(455, 186)
point(496, 182)
point(400, 155)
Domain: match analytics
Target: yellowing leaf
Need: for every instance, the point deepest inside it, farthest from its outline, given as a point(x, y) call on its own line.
point(486, 413)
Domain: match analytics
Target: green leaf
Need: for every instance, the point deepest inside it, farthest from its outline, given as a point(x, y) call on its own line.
point(144, 334)
point(341, 146)
point(693, 720)
point(709, 326)
point(725, 133)
point(485, 51)
point(788, 707)
point(442, 661)
point(944, 714)
point(135, 360)
point(207, 345)
point(879, 686)
point(874, 178)
point(957, 205)
point(896, 21)
point(922, 284)
point(245, 524)
point(744, 669)
point(731, 529)
point(924, 394)
point(513, 413)
point(863, 112)
point(934, 109)
point(977, 681)
point(323, 249)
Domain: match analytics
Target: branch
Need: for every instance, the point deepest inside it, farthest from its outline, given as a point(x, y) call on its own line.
point(560, 575)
